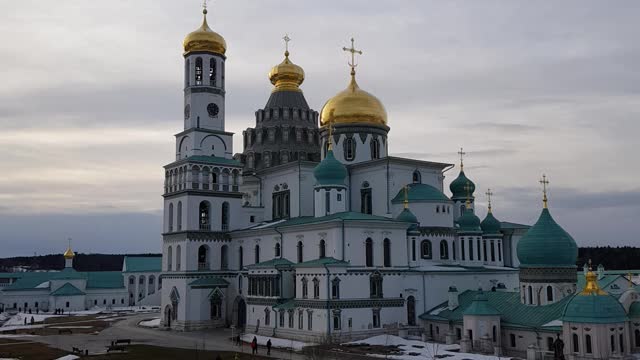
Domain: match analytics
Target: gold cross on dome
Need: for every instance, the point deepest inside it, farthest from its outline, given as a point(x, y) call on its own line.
point(544, 183)
point(489, 194)
point(462, 154)
point(204, 4)
point(353, 52)
point(286, 39)
point(406, 197)
point(468, 188)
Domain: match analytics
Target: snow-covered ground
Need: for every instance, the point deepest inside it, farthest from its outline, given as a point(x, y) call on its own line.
point(68, 357)
point(18, 319)
point(151, 323)
point(417, 350)
point(275, 342)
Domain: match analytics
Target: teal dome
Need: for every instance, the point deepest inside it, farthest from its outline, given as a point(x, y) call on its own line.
point(468, 221)
point(458, 185)
point(420, 192)
point(594, 309)
point(407, 216)
point(330, 171)
point(490, 225)
point(634, 309)
point(546, 244)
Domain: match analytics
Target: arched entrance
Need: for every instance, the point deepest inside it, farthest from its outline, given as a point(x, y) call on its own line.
point(167, 316)
point(239, 312)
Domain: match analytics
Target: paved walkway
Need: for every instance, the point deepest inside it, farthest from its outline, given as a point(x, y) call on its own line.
point(217, 339)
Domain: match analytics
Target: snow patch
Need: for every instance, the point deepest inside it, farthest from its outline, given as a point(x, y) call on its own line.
point(68, 357)
point(276, 342)
point(553, 323)
point(152, 323)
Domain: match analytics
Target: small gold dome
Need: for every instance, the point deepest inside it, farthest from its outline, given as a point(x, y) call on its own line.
point(286, 76)
point(353, 105)
point(204, 39)
point(69, 254)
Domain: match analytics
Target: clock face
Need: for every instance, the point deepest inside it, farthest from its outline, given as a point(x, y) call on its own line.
point(187, 111)
point(213, 110)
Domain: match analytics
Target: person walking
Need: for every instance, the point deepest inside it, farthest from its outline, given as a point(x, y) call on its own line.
point(254, 346)
point(269, 347)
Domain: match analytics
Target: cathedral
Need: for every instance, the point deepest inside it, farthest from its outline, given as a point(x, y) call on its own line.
point(313, 232)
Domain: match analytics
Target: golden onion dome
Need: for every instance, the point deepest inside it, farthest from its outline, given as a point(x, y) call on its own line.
point(353, 106)
point(69, 254)
point(286, 76)
point(204, 39)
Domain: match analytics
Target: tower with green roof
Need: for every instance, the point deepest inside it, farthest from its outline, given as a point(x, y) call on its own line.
point(330, 191)
point(491, 235)
point(547, 255)
point(458, 189)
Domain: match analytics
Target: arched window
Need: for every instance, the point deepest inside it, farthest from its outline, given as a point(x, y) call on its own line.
point(170, 217)
point(411, 311)
point(444, 250)
point(198, 71)
point(494, 333)
point(375, 149)
point(417, 177)
point(425, 249)
point(576, 344)
point(224, 261)
point(316, 288)
point(305, 288)
point(587, 344)
point(549, 293)
point(203, 257)
point(215, 307)
point(205, 220)
point(349, 149)
point(365, 199)
point(636, 335)
point(267, 316)
point(257, 254)
point(179, 215)
point(169, 258)
point(375, 285)
point(240, 257)
point(335, 288)
point(178, 258)
point(277, 250)
point(613, 343)
point(187, 71)
point(322, 249)
point(225, 216)
point(212, 72)
point(387, 252)
point(368, 250)
point(530, 295)
point(300, 252)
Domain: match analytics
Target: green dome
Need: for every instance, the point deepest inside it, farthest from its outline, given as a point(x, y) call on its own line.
point(407, 216)
point(330, 171)
point(594, 309)
point(546, 244)
point(420, 192)
point(634, 309)
point(490, 225)
point(468, 221)
point(458, 185)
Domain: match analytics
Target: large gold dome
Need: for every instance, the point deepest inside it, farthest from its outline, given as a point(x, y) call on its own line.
point(353, 106)
point(204, 39)
point(286, 76)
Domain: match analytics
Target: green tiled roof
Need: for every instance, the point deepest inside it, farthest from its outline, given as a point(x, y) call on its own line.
point(272, 263)
point(420, 192)
point(29, 281)
point(480, 307)
point(634, 310)
point(547, 244)
point(328, 261)
point(347, 216)
point(209, 282)
point(594, 309)
point(11, 275)
point(512, 311)
point(458, 186)
point(407, 216)
point(67, 290)
point(214, 160)
point(468, 222)
point(105, 280)
point(330, 171)
point(68, 274)
point(291, 304)
point(143, 263)
point(510, 226)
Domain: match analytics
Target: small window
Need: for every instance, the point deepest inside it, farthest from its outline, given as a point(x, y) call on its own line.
point(576, 344)
point(339, 197)
point(252, 219)
point(376, 318)
point(512, 340)
point(67, 304)
point(425, 249)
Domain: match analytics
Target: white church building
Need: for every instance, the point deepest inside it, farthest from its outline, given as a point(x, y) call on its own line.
point(313, 231)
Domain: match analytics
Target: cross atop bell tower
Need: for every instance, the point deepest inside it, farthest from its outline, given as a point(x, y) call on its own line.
point(353, 52)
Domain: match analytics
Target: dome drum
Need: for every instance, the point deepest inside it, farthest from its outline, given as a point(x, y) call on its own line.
point(548, 275)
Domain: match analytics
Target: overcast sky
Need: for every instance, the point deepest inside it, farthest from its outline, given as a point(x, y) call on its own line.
point(91, 95)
